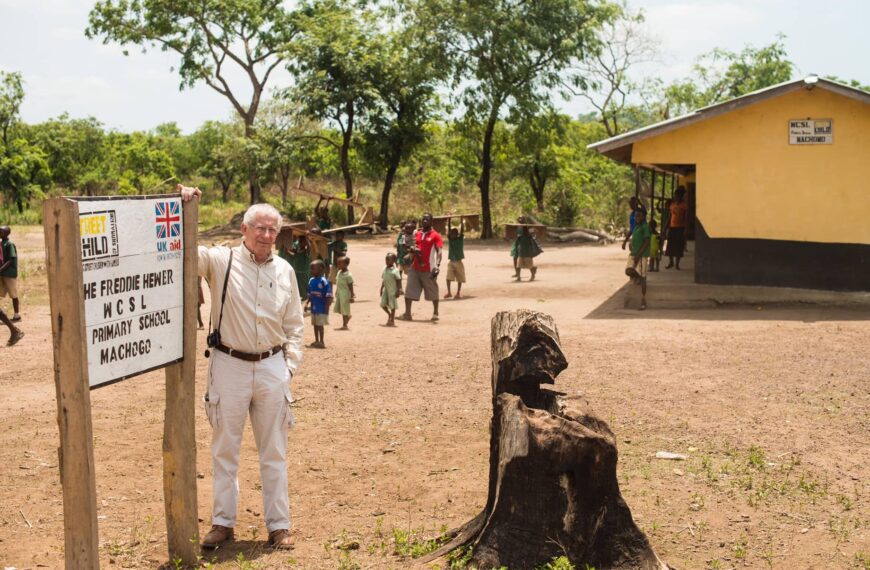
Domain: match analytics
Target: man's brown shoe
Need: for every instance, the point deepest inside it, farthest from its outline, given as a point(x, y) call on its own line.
point(280, 539)
point(217, 536)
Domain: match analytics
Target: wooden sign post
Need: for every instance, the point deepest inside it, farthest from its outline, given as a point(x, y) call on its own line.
point(123, 295)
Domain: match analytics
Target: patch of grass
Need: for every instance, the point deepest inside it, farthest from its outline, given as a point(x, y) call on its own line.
point(845, 502)
point(31, 216)
point(132, 553)
point(862, 560)
point(697, 502)
point(460, 558)
point(414, 543)
point(243, 563)
point(755, 458)
point(562, 563)
point(346, 562)
point(739, 549)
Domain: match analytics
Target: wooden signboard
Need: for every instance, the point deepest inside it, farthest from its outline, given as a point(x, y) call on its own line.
point(511, 231)
point(123, 294)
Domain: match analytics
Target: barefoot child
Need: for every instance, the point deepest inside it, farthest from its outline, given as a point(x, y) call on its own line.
point(15, 334)
point(391, 287)
point(343, 291)
point(455, 255)
point(319, 300)
point(524, 252)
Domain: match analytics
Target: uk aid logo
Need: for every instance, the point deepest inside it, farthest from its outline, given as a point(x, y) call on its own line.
point(167, 225)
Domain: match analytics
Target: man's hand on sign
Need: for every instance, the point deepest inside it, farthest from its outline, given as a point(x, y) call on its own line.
point(187, 192)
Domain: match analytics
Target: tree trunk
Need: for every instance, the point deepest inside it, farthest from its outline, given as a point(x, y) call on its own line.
point(553, 489)
point(253, 177)
point(485, 172)
point(537, 182)
point(344, 156)
point(395, 158)
point(284, 173)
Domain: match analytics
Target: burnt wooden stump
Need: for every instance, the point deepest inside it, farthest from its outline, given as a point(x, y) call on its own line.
point(552, 475)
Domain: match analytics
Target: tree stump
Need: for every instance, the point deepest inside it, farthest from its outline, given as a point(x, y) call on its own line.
point(552, 479)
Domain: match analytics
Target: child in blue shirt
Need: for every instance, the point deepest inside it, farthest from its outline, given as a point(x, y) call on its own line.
point(319, 300)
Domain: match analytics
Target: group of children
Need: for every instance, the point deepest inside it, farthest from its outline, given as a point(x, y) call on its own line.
point(645, 253)
point(326, 285)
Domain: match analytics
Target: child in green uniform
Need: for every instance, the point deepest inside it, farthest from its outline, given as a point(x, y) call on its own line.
point(299, 258)
point(455, 255)
point(524, 252)
point(638, 257)
point(391, 288)
point(343, 291)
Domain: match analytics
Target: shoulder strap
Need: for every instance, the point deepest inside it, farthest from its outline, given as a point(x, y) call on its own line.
point(223, 293)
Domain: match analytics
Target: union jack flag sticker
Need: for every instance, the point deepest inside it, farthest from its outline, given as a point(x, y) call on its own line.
point(167, 219)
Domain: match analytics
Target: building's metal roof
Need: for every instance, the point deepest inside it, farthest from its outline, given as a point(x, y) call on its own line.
point(619, 147)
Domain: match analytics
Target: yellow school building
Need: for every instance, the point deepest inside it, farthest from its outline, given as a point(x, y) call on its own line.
point(778, 183)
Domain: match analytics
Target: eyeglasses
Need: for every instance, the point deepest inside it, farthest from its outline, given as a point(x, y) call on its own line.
point(270, 230)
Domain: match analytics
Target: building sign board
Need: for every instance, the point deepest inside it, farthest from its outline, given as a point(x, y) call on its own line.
point(132, 269)
point(811, 131)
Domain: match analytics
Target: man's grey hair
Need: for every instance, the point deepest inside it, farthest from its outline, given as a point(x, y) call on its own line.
point(262, 210)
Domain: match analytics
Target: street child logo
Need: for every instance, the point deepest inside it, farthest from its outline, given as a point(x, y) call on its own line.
point(167, 224)
point(99, 237)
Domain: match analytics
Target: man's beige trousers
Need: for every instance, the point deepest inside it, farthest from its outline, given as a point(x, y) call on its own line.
point(236, 388)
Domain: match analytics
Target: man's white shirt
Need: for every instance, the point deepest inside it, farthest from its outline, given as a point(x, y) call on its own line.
point(263, 308)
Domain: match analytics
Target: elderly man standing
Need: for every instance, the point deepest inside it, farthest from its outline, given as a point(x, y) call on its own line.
point(423, 274)
point(258, 349)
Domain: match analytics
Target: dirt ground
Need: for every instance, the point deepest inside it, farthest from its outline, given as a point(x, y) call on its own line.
point(771, 406)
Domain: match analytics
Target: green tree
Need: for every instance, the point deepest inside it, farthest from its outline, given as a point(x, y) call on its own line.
point(509, 56)
point(721, 75)
point(404, 80)
point(135, 163)
point(333, 60)
point(850, 82)
point(284, 136)
point(24, 170)
point(209, 36)
point(218, 148)
point(609, 72)
point(74, 149)
point(536, 138)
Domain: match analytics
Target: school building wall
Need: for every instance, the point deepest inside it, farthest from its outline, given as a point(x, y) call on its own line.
point(771, 213)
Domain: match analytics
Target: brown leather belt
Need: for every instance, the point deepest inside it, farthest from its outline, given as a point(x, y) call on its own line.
point(250, 357)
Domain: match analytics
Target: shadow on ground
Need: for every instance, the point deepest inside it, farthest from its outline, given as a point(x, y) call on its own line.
point(615, 307)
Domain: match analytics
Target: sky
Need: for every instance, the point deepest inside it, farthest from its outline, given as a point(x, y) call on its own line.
point(66, 72)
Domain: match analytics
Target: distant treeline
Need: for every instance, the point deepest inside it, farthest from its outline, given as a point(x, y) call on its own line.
point(439, 103)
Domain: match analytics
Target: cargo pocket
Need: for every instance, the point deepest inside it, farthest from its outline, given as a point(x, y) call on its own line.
point(290, 419)
point(212, 409)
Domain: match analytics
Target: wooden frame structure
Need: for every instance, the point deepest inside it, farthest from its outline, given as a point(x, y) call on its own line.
point(289, 232)
point(471, 221)
point(511, 231)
